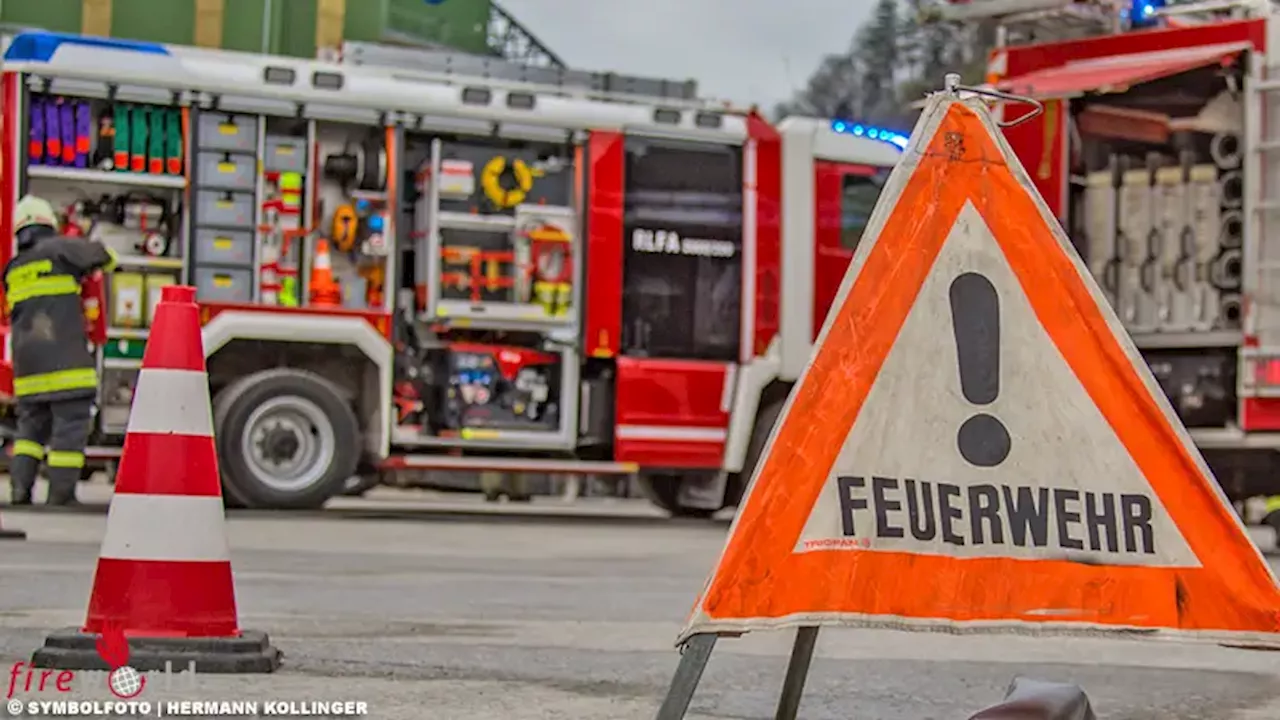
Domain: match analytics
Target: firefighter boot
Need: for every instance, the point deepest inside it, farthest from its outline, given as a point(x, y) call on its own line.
point(23, 468)
point(28, 450)
point(62, 486)
point(65, 460)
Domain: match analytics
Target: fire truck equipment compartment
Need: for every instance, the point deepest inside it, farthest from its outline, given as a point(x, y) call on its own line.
point(285, 154)
point(231, 133)
point(1117, 74)
point(501, 388)
point(224, 247)
point(224, 209)
point(225, 171)
point(229, 285)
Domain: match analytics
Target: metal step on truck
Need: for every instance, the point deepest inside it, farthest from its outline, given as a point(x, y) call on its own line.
point(411, 264)
point(1159, 152)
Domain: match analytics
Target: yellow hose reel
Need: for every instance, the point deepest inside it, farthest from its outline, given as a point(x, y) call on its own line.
point(491, 182)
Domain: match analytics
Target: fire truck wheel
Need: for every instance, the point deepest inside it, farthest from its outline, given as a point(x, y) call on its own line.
point(765, 421)
point(664, 492)
point(286, 439)
point(1273, 519)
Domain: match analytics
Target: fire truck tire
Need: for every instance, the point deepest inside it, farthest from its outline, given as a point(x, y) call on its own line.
point(287, 439)
point(663, 490)
point(765, 421)
point(1273, 520)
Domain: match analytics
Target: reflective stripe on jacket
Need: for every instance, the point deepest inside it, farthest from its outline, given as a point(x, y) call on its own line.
point(51, 357)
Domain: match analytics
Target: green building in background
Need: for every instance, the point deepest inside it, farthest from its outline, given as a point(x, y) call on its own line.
point(297, 28)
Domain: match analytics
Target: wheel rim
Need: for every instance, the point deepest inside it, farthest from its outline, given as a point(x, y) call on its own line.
point(288, 443)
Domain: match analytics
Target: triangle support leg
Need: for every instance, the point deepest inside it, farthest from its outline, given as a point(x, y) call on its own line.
point(797, 673)
point(693, 660)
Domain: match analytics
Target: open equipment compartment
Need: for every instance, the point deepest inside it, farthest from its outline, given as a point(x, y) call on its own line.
point(113, 160)
point(495, 301)
point(1157, 211)
point(225, 186)
point(292, 213)
point(501, 231)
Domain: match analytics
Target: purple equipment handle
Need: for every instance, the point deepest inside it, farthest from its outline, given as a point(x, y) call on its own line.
point(52, 134)
point(67, 123)
point(35, 143)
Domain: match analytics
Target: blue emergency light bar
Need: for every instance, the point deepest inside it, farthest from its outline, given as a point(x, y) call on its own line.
point(895, 139)
point(41, 46)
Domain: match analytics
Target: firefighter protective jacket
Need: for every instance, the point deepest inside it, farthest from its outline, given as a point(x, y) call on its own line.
point(51, 359)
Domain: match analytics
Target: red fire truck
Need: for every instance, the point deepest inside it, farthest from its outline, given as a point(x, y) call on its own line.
point(1159, 151)
point(411, 264)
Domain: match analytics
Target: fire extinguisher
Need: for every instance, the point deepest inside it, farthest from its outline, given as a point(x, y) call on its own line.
point(93, 299)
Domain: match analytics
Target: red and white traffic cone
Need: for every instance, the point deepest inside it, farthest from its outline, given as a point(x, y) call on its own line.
point(164, 573)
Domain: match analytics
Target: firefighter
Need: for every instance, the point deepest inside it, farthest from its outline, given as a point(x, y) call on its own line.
point(54, 381)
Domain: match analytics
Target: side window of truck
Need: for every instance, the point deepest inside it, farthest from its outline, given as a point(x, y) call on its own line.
point(857, 200)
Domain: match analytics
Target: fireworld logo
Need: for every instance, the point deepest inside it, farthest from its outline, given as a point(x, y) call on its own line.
point(123, 681)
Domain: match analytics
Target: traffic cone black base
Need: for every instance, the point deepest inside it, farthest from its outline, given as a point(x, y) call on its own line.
point(251, 652)
point(11, 534)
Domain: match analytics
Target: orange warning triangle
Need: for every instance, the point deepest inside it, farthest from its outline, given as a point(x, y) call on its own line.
point(976, 443)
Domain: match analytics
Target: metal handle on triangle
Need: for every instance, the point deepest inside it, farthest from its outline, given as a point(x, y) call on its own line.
point(951, 84)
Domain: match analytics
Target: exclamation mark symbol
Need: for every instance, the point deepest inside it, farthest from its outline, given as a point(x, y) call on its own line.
point(975, 317)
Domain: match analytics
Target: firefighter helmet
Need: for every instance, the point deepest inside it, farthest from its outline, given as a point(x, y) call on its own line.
point(32, 211)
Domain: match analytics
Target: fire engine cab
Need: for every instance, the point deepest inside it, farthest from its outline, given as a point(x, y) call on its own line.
point(1159, 152)
point(410, 263)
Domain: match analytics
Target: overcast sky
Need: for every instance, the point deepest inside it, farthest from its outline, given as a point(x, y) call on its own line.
point(748, 51)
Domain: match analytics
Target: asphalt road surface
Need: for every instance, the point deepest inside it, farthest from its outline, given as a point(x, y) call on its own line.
point(430, 610)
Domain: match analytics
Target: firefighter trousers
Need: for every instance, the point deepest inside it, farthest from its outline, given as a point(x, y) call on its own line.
point(54, 433)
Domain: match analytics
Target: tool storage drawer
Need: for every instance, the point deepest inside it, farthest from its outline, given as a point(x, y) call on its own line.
point(224, 209)
point(228, 285)
point(224, 247)
point(220, 131)
point(285, 154)
point(225, 171)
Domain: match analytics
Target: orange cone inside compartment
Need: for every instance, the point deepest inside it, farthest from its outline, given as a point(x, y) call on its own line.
point(325, 291)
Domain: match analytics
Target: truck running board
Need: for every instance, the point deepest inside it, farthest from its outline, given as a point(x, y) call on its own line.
point(98, 452)
point(506, 464)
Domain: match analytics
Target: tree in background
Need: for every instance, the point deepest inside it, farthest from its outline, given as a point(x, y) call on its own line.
point(899, 54)
point(876, 49)
point(835, 84)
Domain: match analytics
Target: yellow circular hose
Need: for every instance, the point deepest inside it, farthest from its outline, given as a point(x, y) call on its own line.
point(491, 182)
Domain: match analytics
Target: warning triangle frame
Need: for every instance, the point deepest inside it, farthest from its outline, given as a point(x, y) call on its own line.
point(954, 144)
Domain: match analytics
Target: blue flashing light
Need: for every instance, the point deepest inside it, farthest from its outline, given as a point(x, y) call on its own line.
point(41, 46)
point(1142, 13)
point(895, 139)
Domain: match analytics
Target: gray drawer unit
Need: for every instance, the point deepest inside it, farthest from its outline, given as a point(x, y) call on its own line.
point(225, 171)
point(232, 248)
point(216, 208)
point(219, 284)
point(231, 133)
point(284, 154)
